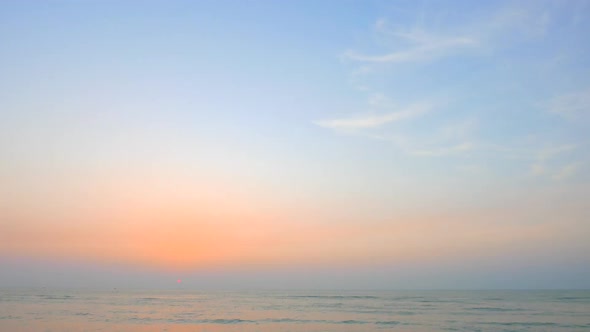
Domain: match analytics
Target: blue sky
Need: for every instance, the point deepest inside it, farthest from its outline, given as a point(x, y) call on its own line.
point(332, 117)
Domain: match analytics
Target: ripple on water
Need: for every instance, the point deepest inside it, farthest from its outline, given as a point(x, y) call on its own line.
point(496, 309)
point(346, 297)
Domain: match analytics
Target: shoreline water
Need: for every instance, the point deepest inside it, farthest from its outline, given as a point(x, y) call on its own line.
point(296, 310)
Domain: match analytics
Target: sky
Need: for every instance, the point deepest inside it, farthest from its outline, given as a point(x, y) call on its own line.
point(295, 144)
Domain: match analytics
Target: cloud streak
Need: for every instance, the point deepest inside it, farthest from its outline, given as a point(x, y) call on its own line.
point(543, 157)
point(424, 49)
point(488, 35)
point(444, 151)
point(372, 121)
point(567, 171)
point(571, 105)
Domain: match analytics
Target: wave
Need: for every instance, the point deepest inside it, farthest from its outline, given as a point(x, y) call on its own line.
point(388, 322)
point(236, 321)
point(496, 309)
point(226, 321)
point(535, 324)
point(55, 297)
point(339, 297)
point(573, 298)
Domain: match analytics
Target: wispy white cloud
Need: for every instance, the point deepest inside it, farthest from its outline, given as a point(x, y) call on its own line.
point(571, 105)
point(431, 147)
point(444, 151)
point(424, 43)
point(423, 47)
point(451, 139)
point(425, 40)
point(530, 151)
point(414, 146)
point(371, 121)
point(567, 171)
point(379, 100)
point(459, 129)
point(553, 151)
point(529, 20)
point(541, 166)
point(538, 169)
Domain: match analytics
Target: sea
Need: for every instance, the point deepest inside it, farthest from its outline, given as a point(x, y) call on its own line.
point(193, 310)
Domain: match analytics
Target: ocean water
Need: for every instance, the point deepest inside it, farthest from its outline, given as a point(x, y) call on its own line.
point(184, 310)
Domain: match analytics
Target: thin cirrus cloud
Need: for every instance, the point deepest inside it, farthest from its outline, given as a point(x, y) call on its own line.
point(567, 171)
point(543, 157)
point(423, 42)
point(424, 47)
point(372, 121)
point(571, 105)
point(551, 152)
point(444, 151)
point(418, 44)
point(413, 45)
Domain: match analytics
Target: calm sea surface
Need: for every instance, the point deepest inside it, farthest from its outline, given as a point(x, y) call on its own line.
point(182, 310)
